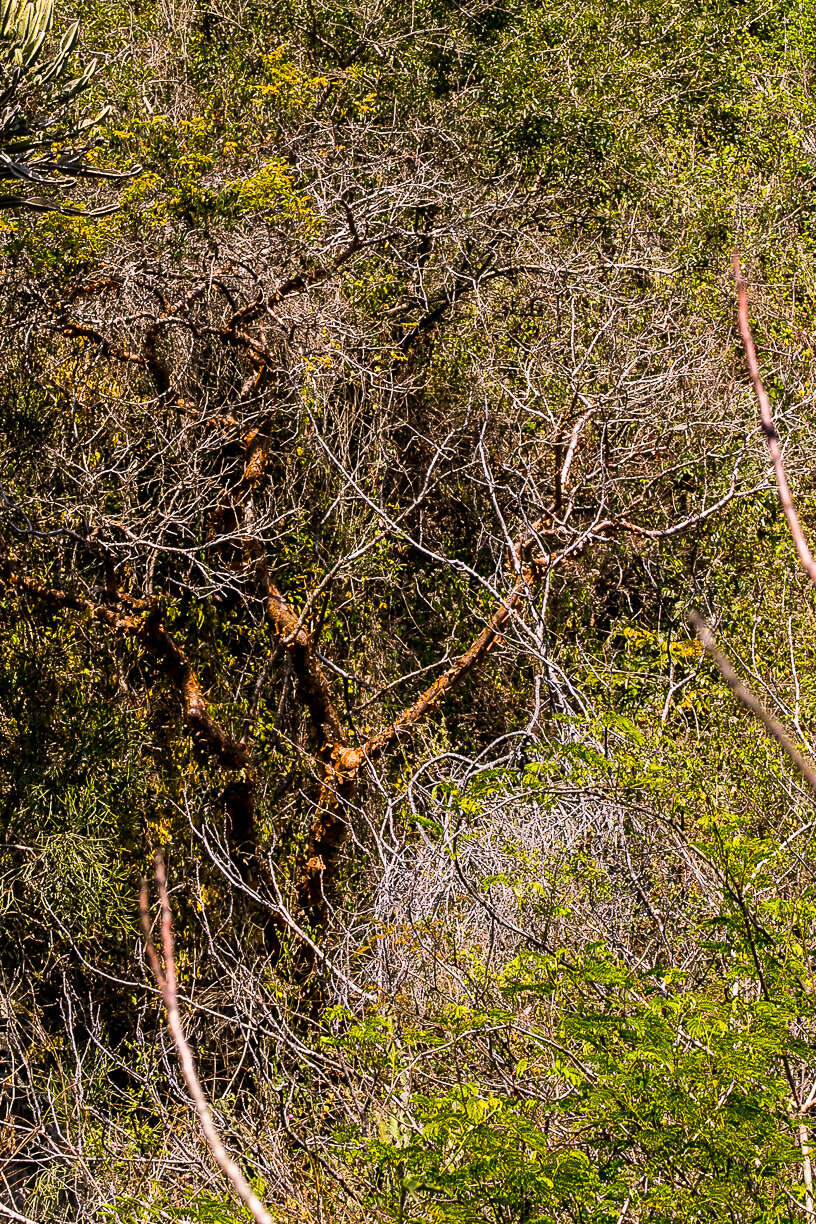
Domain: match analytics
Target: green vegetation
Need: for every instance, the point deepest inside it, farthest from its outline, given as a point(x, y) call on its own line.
point(372, 413)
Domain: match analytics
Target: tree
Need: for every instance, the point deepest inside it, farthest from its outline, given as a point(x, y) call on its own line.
point(356, 476)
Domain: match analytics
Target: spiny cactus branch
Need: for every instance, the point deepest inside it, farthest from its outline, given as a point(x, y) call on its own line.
point(41, 133)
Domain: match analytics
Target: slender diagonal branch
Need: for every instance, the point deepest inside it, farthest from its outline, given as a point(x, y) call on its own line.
point(344, 762)
point(168, 986)
point(7, 1214)
point(769, 429)
point(749, 699)
point(479, 648)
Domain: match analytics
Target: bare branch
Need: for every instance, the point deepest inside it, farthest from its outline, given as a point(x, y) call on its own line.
point(750, 700)
point(167, 984)
point(769, 429)
point(8, 1214)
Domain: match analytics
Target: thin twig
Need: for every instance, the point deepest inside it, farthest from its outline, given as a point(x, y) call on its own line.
point(168, 986)
point(750, 700)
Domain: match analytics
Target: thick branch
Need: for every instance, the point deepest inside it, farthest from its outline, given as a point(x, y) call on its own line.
point(228, 751)
point(329, 829)
point(479, 648)
point(83, 331)
point(314, 688)
point(148, 630)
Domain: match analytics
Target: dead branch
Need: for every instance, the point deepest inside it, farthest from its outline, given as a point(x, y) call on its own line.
point(8, 1214)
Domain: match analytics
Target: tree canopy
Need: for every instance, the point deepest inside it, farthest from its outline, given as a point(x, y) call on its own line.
point(374, 416)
